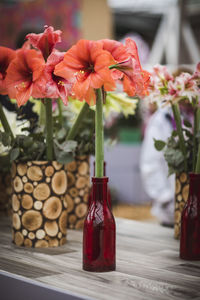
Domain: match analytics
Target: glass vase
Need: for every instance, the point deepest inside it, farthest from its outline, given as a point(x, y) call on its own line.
point(91, 192)
point(99, 233)
point(190, 222)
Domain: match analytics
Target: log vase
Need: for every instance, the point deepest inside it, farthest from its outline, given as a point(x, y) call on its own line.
point(39, 214)
point(181, 196)
point(76, 199)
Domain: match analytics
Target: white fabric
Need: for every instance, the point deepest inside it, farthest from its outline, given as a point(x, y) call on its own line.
point(154, 169)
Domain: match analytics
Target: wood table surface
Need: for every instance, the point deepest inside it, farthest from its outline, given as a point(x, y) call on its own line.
point(148, 265)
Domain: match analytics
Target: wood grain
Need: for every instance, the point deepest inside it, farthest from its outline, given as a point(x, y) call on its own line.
point(148, 265)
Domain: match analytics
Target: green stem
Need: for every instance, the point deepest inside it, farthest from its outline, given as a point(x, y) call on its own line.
point(42, 114)
point(49, 129)
point(74, 129)
point(99, 135)
point(60, 116)
point(5, 123)
point(177, 117)
point(196, 131)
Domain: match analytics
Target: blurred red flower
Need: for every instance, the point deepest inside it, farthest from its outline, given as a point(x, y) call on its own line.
point(56, 86)
point(45, 41)
point(6, 56)
point(127, 66)
point(24, 78)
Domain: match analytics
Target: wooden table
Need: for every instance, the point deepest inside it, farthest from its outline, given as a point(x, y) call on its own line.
point(148, 267)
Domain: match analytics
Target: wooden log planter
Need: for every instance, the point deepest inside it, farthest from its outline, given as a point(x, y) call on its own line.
point(76, 199)
point(38, 203)
point(181, 196)
point(5, 193)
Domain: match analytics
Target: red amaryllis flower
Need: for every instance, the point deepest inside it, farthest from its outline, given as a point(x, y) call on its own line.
point(45, 41)
point(6, 56)
point(119, 53)
point(24, 76)
point(88, 64)
point(56, 86)
point(135, 80)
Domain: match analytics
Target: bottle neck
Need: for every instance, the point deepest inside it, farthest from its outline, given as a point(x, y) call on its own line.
point(99, 188)
point(104, 168)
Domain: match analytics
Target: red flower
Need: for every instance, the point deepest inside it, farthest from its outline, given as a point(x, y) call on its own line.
point(88, 64)
point(45, 41)
point(56, 86)
point(135, 80)
point(24, 76)
point(6, 56)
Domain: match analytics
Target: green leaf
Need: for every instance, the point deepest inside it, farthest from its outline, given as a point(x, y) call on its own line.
point(174, 133)
point(14, 153)
point(174, 157)
point(67, 146)
point(61, 134)
point(27, 142)
point(187, 123)
point(64, 157)
point(159, 145)
point(5, 138)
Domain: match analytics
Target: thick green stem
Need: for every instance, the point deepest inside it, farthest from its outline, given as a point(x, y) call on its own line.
point(49, 129)
point(42, 114)
point(74, 129)
point(196, 131)
point(5, 123)
point(99, 135)
point(177, 117)
point(60, 116)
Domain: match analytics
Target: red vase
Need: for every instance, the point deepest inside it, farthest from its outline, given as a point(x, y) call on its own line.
point(99, 231)
point(190, 222)
point(109, 194)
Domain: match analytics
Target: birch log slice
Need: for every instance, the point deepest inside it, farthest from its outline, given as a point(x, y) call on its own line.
point(27, 201)
point(51, 228)
point(71, 166)
point(83, 168)
point(69, 203)
point(21, 169)
point(81, 210)
point(18, 239)
point(59, 182)
point(42, 191)
point(15, 203)
point(28, 243)
point(17, 184)
point(34, 173)
point(63, 222)
point(52, 208)
point(70, 179)
point(41, 244)
point(28, 187)
point(32, 220)
point(16, 221)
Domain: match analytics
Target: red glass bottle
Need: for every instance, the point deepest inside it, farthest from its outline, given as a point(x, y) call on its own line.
point(99, 233)
point(190, 222)
point(109, 194)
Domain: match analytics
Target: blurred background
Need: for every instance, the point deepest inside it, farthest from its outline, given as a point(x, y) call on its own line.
point(166, 32)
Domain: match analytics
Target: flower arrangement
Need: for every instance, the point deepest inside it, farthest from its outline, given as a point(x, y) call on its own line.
point(86, 72)
point(181, 94)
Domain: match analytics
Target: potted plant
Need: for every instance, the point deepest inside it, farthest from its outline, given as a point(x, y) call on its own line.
point(96, 66)
point(181, 95)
